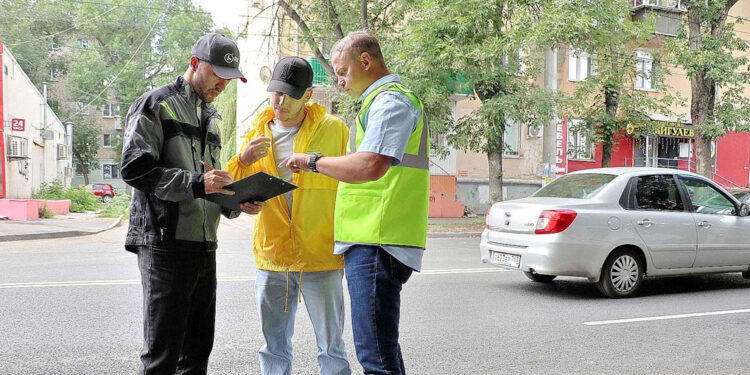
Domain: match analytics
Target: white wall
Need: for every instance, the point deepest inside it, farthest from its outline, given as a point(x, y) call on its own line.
point(22, 100)
point(258, 52)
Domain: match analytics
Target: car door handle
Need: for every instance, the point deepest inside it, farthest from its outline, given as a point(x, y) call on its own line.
point(645, 222)
point(704, 224)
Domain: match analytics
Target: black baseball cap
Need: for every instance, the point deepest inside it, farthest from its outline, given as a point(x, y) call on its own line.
point(222, 53)
point(292, 76)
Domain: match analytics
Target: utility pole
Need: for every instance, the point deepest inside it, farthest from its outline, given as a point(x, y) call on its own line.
point(549, 166)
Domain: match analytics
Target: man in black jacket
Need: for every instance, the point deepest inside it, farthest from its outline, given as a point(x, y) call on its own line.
point(170, 139)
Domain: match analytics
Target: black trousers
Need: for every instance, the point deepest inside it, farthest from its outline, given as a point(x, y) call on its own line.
point(179, 310)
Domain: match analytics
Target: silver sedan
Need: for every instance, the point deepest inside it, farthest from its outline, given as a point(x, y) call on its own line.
point(615, 226)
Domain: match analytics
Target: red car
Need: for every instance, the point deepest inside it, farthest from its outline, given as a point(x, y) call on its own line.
point(106, 191)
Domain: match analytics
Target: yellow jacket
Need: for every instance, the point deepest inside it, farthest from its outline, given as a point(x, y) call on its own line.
point(303, 242)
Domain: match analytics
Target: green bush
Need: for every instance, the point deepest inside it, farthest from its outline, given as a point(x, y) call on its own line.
point(51, 191)
point(119, 205)
point(81, 199)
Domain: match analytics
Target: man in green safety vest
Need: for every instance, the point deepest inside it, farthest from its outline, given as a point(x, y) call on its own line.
point(380, 222)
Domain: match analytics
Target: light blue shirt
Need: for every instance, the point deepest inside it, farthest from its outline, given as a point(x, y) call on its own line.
point(389, 124)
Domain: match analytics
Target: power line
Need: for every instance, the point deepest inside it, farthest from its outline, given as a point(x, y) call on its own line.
point(161, 10)
point(63, 31)
point(109, 84)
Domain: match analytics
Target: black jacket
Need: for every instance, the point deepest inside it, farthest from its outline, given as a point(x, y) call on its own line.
point(164, 143)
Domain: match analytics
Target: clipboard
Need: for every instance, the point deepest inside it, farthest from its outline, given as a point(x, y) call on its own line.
point(259, 187)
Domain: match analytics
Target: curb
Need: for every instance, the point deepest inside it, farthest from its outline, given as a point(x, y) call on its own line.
point(454, 234)
point(63, 234)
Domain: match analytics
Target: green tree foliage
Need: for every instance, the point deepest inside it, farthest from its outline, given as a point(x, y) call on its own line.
point(476, 45)
point(133, 47)
point(30, 30)
point(714, 57)
point(85, 147)
point(226, 104)
point(607, 100)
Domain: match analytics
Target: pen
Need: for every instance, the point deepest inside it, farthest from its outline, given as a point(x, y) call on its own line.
point(210, 168)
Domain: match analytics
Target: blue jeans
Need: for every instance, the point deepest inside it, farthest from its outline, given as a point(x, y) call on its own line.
point(179, 308)
point(375, 279)
point(324, 298)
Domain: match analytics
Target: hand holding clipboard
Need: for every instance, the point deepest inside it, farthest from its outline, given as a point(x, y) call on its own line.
point(258, 187)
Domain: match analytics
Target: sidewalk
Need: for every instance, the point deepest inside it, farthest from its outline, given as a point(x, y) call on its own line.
point(82, 224)
point(70, 225)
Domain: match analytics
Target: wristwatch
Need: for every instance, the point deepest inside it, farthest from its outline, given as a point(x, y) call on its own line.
point(313, 161)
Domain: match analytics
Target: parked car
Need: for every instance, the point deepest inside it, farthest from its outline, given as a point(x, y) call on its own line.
point(615, 226)
point(105, 191)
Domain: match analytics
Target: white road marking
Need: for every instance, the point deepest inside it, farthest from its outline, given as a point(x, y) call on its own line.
point(666, 317)
point(53, 284)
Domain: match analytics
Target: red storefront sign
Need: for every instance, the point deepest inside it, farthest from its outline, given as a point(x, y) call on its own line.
point(18, 124)
point(561, 146)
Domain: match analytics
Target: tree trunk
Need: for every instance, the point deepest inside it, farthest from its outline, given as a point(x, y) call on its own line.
point(495, 161)
point(310, 41)
point(702, 102)
point(363, 15)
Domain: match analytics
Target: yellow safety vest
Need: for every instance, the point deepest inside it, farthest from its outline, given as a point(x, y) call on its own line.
point(393, 209)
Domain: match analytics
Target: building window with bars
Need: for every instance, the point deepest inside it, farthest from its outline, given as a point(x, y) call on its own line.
point(82, 108)
point(580, 144)
point(110, 171)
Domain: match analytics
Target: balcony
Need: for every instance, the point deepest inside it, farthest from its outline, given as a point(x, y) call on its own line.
point(668, 14)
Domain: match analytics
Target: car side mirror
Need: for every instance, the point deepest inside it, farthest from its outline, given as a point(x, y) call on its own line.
point(744, 209)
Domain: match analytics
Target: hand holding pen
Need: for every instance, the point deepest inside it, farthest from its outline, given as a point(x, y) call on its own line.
point(214, 180)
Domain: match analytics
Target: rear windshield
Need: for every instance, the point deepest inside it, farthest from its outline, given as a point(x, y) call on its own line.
point(581, 186)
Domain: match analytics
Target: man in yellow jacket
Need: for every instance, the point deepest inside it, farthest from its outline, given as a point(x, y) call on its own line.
point(293, 238)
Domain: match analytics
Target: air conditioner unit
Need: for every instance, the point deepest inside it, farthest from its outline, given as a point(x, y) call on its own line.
point(48, 135)
point(18, 147)
point(535, 132)
point(63, 152)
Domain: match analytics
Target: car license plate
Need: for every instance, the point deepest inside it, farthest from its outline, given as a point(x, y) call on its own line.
point(507, 260)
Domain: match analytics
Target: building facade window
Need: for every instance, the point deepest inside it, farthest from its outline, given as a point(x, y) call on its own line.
point(646, 70)
point(107, 140)
point(54, 74)
point(83, 43)
point(511, 139)
point(111, 110)
point(580, 145)
point(82, 108)
point(110, 171)
point(581, 65)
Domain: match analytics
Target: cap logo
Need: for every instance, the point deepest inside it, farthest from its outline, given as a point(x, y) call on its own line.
point(231, 58)
point(287, 72)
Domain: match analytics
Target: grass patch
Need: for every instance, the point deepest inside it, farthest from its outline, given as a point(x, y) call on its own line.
point(461, 226)
point(119, 205)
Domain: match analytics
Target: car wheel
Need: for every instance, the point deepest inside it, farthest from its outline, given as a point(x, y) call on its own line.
point(106, 198)
point(533, 276)
point(622, 274)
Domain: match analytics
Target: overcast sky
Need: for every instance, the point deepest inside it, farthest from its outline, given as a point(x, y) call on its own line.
point(230, 13)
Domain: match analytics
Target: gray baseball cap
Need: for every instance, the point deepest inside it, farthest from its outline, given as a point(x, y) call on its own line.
point(222, 53)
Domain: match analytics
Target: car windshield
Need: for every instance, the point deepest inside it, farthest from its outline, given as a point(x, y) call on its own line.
point(580, 186)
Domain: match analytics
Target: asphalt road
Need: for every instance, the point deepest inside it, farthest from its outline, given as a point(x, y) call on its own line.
point(73, 306)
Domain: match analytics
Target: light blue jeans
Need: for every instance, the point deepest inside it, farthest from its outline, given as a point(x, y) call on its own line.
point(324, 298)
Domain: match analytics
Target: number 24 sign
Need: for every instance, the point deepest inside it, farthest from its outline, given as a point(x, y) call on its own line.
point(18, 124)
